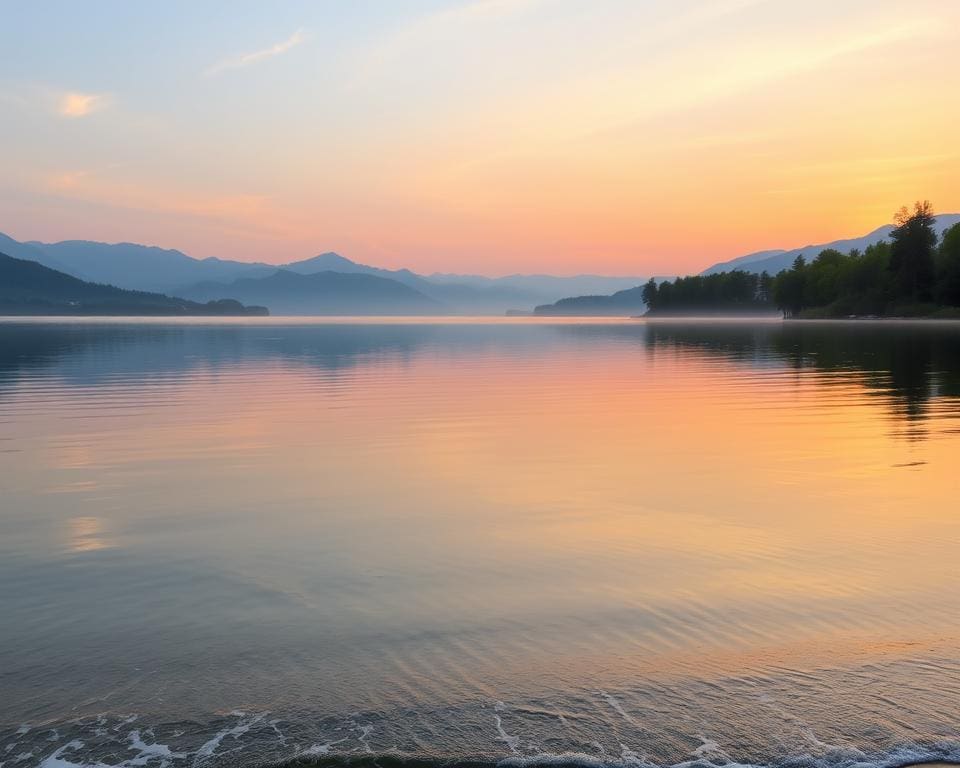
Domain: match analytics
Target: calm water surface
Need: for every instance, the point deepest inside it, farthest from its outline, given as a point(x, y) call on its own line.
point(246, 543)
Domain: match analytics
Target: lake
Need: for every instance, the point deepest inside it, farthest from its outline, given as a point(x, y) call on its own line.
point(259, 541)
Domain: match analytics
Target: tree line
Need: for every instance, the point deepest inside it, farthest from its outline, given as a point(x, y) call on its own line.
point(911, 274)
point(721, 291)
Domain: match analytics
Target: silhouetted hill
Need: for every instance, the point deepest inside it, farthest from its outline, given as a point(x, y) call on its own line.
point(620, 304)
point(324, 293)
point(33, 289)
point(775, 261)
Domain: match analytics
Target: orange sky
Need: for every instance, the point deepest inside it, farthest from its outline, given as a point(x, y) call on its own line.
point(487, 136)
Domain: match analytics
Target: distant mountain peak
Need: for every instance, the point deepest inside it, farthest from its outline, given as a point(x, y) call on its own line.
point(777, 260)
point(328, 260)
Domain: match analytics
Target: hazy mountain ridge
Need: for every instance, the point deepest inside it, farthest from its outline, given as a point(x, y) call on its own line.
point(149, 268)
point(28, 252)
point(334, 262)
point(27, 287)
point(324, 293)
point(741, 261)
point(467, 293)
point(141, 267)
point(775, 261)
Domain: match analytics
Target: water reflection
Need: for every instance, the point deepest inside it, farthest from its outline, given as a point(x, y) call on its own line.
point(910, 365)
point(666, 533)
point(87, 534)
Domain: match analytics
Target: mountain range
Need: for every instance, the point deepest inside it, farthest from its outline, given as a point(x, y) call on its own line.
point(333, 284)
point(378, 291)
point(324, 293)
point(29, 288)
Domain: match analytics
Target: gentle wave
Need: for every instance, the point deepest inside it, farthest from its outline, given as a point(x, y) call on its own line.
point(261, 739)
point(144, 754)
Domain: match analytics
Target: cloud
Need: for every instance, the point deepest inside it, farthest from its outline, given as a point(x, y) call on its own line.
point(246, 59)
point(75, 104)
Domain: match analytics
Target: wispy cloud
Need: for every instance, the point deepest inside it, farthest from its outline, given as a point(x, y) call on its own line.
point(76, 104)
point(246, 59)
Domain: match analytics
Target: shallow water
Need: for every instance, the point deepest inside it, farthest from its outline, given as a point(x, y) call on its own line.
point(244, 543)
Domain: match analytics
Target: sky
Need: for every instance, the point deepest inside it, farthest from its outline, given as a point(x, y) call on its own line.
point(628, 137)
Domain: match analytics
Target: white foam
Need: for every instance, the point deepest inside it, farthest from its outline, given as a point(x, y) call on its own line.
point(572, 759)
point(56, 760)
point(364, 734)
point(126, 721)
point(147, 752)
point(512, 742)
point(629, 757)
point(615, 705)
point(316, 750)
point(158, 755)
point(206, 751)
point(319, 749)
point(276, 729)
point(710, 749)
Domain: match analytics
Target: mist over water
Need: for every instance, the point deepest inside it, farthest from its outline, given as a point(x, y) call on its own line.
point(245, 543)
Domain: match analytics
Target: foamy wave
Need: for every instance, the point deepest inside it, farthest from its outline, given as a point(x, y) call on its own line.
point(254, 739)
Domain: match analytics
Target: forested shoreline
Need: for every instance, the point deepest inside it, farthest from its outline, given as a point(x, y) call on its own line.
point(914, 274)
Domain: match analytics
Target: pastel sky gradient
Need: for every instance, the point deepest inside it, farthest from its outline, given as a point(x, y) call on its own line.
point(485, 136)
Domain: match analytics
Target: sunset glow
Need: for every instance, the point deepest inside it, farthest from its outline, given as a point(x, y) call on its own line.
point(480, 136)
